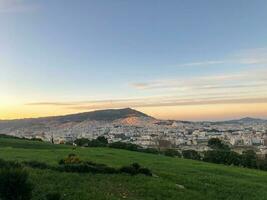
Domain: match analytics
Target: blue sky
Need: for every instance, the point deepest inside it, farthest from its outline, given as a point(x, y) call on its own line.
point(55, 52)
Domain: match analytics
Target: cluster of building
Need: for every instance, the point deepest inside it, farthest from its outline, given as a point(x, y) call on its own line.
point(151, 133)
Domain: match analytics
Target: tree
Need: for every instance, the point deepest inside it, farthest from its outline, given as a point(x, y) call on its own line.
point(249, 159)
point(172, 153)
point(14, 184)
point(222, 157)
point(102, 139)
point(81, 142)
point(216, 143)
point(191, 154)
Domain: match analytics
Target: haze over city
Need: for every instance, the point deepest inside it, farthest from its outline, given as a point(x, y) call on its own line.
point(189, 60)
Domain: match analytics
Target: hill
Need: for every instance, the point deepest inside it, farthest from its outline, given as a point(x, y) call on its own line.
point(175, 178)
point(99, 115)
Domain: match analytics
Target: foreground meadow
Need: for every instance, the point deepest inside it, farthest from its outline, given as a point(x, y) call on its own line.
point(173, 178)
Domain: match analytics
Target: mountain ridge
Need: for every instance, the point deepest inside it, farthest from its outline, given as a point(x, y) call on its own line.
point(107, 115)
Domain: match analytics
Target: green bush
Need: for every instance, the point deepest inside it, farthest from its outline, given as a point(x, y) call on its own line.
point(14, 184)
point(191, 154)
point(222, 157)
point(217, 144)
point(9, 164)
point(71, 159)
point(172, 153)
point(101, 141)
point(249, 159)
point(36, 164)
point(135, 169)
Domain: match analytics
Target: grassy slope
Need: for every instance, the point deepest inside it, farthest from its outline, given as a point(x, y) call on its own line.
point(201, 180)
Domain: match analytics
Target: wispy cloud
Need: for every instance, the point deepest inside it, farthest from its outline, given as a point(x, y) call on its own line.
point(255, 56)
point(156, 102)
point(17, 6)
point(203, 63)
point(251, 78)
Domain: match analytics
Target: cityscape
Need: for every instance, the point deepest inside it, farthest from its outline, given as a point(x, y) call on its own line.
point(148, 132)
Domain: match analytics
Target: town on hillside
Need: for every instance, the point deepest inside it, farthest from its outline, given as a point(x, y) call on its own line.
point(148, 132)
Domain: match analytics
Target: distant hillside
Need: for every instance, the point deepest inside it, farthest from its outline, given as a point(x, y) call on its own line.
point(244, 121)
point(99, 115)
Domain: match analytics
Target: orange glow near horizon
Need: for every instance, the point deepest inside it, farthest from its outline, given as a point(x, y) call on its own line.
point(189, 112)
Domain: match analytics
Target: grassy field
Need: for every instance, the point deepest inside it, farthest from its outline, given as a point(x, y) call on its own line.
point(200, 180)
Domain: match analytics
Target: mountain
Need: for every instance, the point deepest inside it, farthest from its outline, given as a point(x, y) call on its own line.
point(108, 115)
point(101, 115)
point(246, 120)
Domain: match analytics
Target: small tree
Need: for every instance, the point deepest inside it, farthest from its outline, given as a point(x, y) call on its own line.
point(102, 139)
point(172, 153)
point(14, 184)
point(249, 159)
point(216, 143)
point(191, 154)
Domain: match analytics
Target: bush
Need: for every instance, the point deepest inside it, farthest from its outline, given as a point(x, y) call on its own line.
point(222, 157)
point(127, 146)
point(14, 184)
point(9, 164)
point(172, 153)
point(216, 143)
point(191, 154)
point(145, 171)
point(101, 141)
point(73, 164)
point(262, 164)
point(53, 196)
point(249, 159)
point(151, 150)
point(36, 164)
point(71, 159)
point(135, 169)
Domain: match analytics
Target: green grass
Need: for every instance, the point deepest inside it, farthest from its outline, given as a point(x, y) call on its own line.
point(201, 180)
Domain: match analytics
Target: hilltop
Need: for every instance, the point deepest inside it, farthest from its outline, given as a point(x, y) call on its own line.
point(175, 178)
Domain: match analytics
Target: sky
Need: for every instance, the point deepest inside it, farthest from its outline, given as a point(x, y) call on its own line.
point(173, 59)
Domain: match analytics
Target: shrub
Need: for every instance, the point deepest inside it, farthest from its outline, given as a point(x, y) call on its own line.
point(81, 142)
point(249, 159)
point(71, 159)
point(150, 150)
point(145, 171)
point(222, 157)
point(127, 146)
point(216, 143)
point(101, 141)
point(14, 184)
point(262, 164)
point(191, 154)
point(85, 167)
point(9, 164)
point(129, 170)
point(36, 164)
point(172, 153)
point(135, 169)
